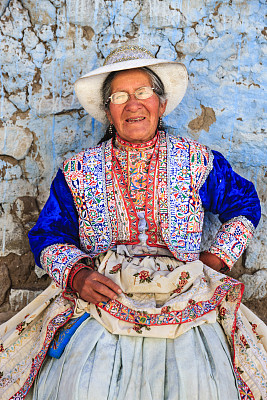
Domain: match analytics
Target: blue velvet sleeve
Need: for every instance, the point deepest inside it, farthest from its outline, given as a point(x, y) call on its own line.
point(228, 194)
point(58, 221)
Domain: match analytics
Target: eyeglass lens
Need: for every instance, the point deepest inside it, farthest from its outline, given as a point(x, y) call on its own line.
point(141, 93)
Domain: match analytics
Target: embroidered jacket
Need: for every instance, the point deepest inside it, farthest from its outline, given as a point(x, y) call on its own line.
point(80, 218)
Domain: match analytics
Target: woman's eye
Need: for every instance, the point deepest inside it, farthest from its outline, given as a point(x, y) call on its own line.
point(141, 91)
point(120, 96)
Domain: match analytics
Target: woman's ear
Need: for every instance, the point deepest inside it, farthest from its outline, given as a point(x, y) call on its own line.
point(109, 116)
point(162, 108)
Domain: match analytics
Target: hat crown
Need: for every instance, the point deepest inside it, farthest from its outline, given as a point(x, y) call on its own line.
point(127, 53)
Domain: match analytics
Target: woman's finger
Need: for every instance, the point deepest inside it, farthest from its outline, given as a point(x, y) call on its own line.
point(104, 290)
point(94, 287)
point(96, 298)
point(109, 283)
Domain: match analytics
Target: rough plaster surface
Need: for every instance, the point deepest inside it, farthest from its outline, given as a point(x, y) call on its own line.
point(45, 45)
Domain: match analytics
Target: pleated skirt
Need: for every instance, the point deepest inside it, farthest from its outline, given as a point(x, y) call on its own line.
point(98, 365)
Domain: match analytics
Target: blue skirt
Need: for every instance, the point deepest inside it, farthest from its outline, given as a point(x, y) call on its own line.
point(98, 365)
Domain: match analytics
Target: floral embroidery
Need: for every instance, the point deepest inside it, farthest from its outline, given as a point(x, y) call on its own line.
point(243, 340)
point(170, 268)
point(254, 326)
point(53, 325)
point(138, 328)
point(222, 312)
point(143, 276)
point(183, 280)
point(124, 313)
point(184, 275)
point(226, 279)
point(165, 309)
point(115, 269)
point(178, 290)
point(1, 347)
point(20, 327)
point(191, 302)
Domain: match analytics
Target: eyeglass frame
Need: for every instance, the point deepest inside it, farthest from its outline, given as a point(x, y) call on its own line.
point(129, 94)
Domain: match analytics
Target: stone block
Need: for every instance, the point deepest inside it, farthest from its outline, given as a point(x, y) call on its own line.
point(38, 54)
point(26, 209)
point(30, 40)
point(18, 70)
point(46, 33)
point(7, 109)
point(255, 285)
point(5, 282)
point(9, 170)
point(9, 190)
point(19, 267)
point(14, 20)
point(3, 6)
point(43, 14)
point(13, 237)
point(15, 142)
point(19, 298)
point(5, 316)
point(19, 99)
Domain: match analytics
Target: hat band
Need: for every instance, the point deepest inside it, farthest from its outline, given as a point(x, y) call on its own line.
point(127, 53)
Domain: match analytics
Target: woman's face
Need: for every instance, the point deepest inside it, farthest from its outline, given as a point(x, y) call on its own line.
point(136, 120)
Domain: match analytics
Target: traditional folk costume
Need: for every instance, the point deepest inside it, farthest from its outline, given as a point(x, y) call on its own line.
point(178, 330)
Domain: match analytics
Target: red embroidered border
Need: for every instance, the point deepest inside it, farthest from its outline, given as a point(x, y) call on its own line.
point(151, 184)
point(110, 192)
point(128, 203)
point(190, 313)
point(57, 322)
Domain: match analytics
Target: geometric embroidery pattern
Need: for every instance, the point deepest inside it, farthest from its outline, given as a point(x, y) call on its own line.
point(188, 314)
point(58, 259)
point(232, 239)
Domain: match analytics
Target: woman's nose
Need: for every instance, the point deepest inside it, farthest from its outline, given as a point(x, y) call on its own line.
point(133, 103)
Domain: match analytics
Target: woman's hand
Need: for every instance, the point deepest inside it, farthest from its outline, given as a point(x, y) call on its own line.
point(212, 261)
point(95, 287)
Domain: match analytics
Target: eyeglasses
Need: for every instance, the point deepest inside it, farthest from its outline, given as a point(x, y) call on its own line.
point(141, 93)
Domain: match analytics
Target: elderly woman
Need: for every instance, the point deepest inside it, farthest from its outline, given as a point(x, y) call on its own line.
point(150, 317)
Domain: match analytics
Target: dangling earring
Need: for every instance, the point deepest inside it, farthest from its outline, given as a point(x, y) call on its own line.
point(110, 129)
point(160, 123)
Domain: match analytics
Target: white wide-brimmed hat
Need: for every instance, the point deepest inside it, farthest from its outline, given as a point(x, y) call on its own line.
point(172, 74)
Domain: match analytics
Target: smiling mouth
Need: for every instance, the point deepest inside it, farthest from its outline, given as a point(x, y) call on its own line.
point(132, 120)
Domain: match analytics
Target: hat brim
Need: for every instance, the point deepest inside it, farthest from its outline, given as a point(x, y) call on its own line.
point(172, 74)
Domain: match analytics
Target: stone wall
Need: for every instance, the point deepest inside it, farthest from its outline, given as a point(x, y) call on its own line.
point(46, 45)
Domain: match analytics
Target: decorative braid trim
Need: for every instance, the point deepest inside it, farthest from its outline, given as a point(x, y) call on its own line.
point(74, 270)
point(232, 239)
point(58, 259)
point(208, 169)
point(248, 224)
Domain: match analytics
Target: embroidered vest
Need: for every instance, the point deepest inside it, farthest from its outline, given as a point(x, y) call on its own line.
point(183, 167)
